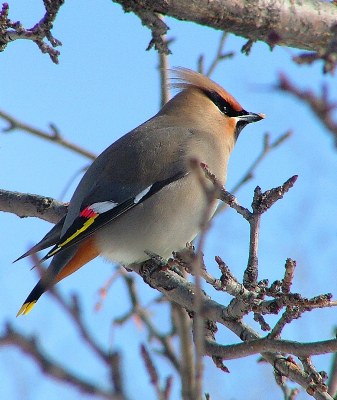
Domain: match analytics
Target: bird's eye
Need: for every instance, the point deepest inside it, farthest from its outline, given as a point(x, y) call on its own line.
point(222, 104)
point(225, 107)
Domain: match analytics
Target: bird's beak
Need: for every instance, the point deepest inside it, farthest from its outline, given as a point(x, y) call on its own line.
point(250, 117)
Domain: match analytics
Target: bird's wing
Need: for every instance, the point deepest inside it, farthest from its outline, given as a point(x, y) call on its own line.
point(117, 181)
point(96, 215)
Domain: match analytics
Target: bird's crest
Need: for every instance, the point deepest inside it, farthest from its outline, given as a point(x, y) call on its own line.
point(184, 78)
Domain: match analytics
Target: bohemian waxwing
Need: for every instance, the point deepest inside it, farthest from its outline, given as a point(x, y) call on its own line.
point(140, 195)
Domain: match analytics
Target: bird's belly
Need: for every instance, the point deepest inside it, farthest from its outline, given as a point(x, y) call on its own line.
point(162, 224)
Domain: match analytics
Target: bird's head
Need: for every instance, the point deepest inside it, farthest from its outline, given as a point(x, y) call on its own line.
point(203, 102)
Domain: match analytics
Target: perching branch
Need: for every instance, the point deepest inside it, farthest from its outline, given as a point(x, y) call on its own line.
point(180, 291)
point(247, 297)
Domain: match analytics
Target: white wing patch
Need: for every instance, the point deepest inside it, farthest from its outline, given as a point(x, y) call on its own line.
point(103, 206)
point(142, 194)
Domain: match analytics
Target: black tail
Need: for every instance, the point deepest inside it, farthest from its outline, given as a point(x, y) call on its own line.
point(33, 297)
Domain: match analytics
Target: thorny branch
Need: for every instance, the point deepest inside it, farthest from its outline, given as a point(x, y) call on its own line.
point(250, 297)
point(261, 203)
point(40, 33)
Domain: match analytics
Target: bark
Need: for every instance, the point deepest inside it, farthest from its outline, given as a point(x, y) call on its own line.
point(304, 24)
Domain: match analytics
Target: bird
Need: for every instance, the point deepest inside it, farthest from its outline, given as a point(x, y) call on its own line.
point(140, 196)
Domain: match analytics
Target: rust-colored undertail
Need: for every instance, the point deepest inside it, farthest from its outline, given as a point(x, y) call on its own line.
point(86, 252)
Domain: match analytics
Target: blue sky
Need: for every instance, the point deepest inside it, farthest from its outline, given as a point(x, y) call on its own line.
point(105, 85)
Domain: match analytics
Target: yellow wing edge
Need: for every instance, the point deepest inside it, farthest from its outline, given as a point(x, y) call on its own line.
point(83, 228)
point(26, 308)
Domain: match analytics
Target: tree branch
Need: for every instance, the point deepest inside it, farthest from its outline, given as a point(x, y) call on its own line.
point(31, 347)
point(239, 350)
point(302, 24)
point(10, 31)
point(320, 105)
point(247, 297)
point(32, 205)
point(150, 18)
point(53, 136)
point(178, 290)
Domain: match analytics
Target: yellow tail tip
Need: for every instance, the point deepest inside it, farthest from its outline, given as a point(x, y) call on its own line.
point(26, 308)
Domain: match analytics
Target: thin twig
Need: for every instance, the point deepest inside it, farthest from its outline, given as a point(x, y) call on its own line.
point(10, 30)
point(199, 318)
point(182, 322)
point(163, 70)
point(73, 310)
point(31, 347)
point(178, 290)
point(141, 312)
point(219, 56)
point(267, 147)
point(15, 124)
point(320, 105)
